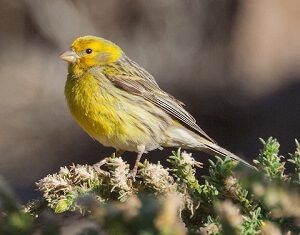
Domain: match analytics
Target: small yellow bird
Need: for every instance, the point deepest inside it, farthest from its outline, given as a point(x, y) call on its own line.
point(119, 103)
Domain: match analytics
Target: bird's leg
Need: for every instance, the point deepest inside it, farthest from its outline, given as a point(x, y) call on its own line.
point(140, 151)
point(97, 166)
point(118, 153)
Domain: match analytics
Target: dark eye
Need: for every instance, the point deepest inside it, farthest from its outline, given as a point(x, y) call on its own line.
point(89, 51)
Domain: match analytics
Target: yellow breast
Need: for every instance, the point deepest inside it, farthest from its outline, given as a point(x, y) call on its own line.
point(88, 107)
point(107, 115)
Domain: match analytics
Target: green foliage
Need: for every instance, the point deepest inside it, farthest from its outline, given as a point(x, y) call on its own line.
point(295, 159)
point(270, 163)
point(231, 199)
point(13, 220)
point(183, 167)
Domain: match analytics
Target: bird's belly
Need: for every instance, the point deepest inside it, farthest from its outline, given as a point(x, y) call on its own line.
point(119, 121)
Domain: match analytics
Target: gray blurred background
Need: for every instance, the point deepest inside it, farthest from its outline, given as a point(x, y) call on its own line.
point(236, 64)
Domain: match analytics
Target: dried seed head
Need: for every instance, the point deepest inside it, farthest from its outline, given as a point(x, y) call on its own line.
point(189, 160)
point(54, 185)
point(156, 177)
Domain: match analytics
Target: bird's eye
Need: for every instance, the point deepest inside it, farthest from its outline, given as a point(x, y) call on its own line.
point(89, 51)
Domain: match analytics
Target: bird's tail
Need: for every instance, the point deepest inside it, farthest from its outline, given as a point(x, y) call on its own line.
point(182, 137)
point(214, 149)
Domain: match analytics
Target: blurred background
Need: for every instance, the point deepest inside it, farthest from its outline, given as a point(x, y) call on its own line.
point(236, 64)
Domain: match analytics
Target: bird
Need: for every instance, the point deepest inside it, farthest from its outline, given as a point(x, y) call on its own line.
point(119, 104)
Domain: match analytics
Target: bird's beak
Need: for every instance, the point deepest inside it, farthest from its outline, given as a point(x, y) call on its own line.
point(69, 56)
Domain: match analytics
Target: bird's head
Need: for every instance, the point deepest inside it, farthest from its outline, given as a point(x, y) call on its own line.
point(90, 51)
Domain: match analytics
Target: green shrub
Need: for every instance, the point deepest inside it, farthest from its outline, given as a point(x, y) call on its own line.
point(231, 199)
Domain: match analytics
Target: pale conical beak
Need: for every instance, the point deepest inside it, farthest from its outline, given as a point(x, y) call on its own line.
point(69, 56)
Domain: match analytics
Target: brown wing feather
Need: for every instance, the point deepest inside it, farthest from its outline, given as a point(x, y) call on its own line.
point(138, 81)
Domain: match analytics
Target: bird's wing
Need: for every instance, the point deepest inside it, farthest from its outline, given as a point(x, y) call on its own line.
point(139, 82)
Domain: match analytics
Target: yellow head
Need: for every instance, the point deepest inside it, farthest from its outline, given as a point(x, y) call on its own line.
point(89, 51)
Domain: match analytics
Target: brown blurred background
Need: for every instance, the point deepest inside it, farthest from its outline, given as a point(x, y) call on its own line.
point(236, 64)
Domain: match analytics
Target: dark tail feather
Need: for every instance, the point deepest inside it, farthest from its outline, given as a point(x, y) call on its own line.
point(214, 149)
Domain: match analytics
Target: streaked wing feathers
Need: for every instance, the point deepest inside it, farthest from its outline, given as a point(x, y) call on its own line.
point(140, 82)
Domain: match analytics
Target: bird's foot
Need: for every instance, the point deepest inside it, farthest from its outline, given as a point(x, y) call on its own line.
point(97, 166)
point(141, 149)
point(132, 174)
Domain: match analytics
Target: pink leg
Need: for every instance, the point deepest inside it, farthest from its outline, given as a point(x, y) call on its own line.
point(141, 149)
point(97, 165)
